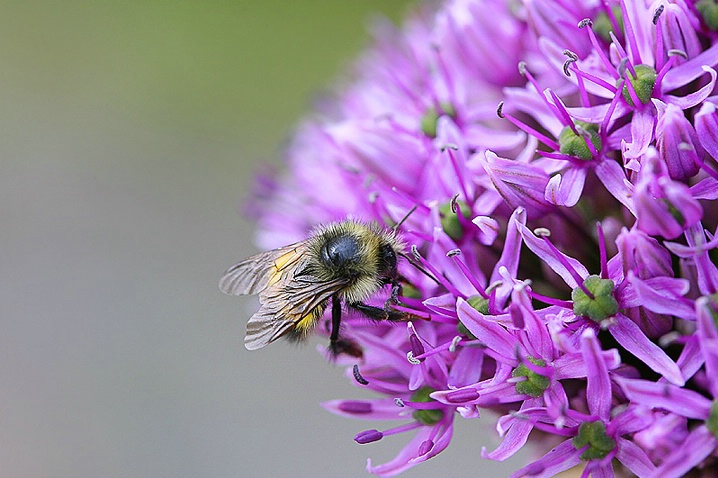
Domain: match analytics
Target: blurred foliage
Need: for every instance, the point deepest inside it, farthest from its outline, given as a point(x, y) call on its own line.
point(216, 68)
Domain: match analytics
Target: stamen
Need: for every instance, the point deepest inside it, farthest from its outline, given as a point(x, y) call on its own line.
point(454, 205)
point(499, 110)
point(417, 348)
point(527, 129)
point(669, 64)
point(522, 68)
point(399, 402)
point(468, 274)
point(439, 277)
point(587, 136)
point(454, 343)
point(597, 47)
point(358, 377)
point(677, 52)
point(551, 301)
point(659, 38)
point(657, 14)
point(612, 106)
point(632, 91)
point(594, 79)
point(411, 359)
point(560, 109)
point(425, 447)
point(670, 339)
point(571, 59)
point(622, 53)
point(462, 396)
point(368, 436)
point(602, 251)
point(630, 35)
point(356, 407)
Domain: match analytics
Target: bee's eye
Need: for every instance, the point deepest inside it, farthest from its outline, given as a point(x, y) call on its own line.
point(340, 250)
point(387, 259)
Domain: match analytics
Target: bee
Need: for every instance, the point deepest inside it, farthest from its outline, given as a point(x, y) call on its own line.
point(344, 262)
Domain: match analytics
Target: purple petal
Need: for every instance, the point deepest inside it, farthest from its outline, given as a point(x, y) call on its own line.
point(514, 439)
point(634, 458)
point(708, 338)
point(566, 190)
point(512, 246)
point(706, 122)
point(403, 460)
point(535, 336)
point(707, 329)
point(677, 142)
point(572, 365)
point(692, 99)
point(598, 389)
point(488, 229)
point(706, 188)
point(441, 441)
point(632, 420)
point(467, 367)
point(519, 186)
point(691, 358)
point(695, 448)
point(561, 458)
point(683, 402)
point(544, 252)
point(641, 133)
point(690, 70)
point(613, 177)
point(662, 295)
point(632, 338)
point(495, 337)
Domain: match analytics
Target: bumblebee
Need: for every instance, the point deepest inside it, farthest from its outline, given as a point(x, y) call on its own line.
point(343, 262)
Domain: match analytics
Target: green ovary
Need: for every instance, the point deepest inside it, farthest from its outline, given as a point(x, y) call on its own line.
point(642, 83)
point(594, 435)
point(426, 417)
point(575, 145)
point(535, 383)
point(602, 306)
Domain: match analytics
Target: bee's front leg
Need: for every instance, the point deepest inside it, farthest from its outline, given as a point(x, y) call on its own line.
point(396, 289)
point(378, 313)
point(336, 345)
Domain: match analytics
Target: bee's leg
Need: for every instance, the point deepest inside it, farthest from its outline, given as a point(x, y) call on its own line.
point(337, 345)
point(378, 313)
point(395, 293)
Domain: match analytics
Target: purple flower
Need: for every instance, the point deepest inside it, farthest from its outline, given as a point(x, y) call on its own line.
point(598, 438)
point(561, 162)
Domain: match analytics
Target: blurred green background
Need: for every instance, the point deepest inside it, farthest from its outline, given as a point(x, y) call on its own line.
point(129, 131)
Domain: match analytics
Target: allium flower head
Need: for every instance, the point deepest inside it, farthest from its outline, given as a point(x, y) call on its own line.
point(560, 161)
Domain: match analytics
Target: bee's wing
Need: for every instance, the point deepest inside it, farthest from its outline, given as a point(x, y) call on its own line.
point(287, 306)
point(256, 273)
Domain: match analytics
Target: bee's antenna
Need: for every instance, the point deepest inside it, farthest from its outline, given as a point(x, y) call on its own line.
point(403, 219)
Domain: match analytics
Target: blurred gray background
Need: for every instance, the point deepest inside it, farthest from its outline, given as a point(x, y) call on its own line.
point(129, 132)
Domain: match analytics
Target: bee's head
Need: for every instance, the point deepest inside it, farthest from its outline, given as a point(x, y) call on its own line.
point(356, 251)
